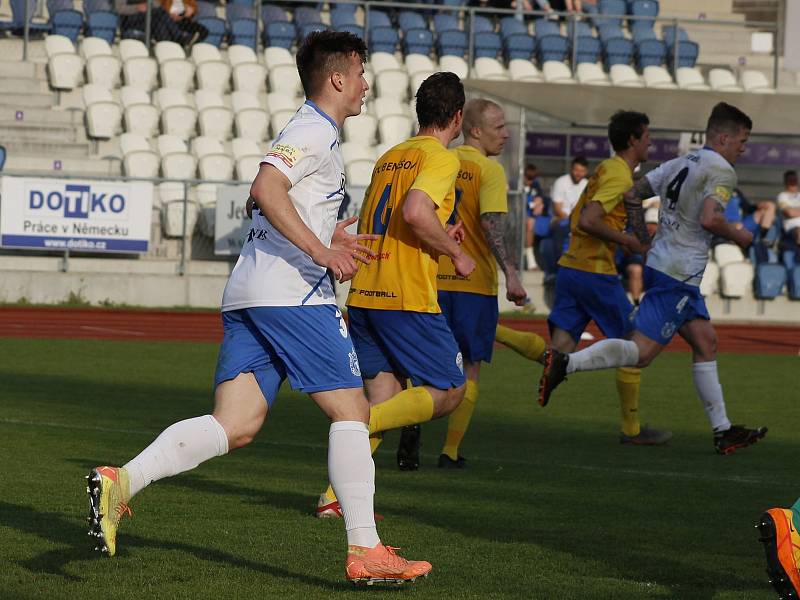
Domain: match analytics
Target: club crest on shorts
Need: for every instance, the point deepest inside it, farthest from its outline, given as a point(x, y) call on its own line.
point(460, 362)
point(354, 366)
point(668, 329)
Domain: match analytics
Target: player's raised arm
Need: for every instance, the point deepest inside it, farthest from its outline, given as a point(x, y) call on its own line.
point(712, 219)
point(633, 198)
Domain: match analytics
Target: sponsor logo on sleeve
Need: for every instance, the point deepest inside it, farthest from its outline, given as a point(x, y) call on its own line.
point(286, 153)
point(723, 192)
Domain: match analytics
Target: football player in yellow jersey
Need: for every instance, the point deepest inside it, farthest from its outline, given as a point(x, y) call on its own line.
point(587, 284)
point(470, 303)
point(397, 327)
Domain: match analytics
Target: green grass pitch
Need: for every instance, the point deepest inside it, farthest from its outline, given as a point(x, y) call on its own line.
point(553, 506)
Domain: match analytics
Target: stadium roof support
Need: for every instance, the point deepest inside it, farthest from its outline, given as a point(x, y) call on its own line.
point(679, 110)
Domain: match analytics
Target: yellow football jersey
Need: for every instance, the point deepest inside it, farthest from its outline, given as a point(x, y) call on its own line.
point(403, 276)
point(481, 187)
point(611, 179)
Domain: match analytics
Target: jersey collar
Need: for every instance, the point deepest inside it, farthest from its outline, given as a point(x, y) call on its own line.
point(323, 114)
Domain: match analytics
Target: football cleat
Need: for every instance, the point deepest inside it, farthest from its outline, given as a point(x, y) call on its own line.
point(555, 371)
point(648, 436)
point(782, 548)
point(331, 509)
point(382, 564)
point(738, 436)
point(408, 449)
point(445, 462)
point(108, 489)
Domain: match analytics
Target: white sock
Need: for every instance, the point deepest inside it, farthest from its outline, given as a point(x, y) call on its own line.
point(530, 259)
point(604, 354)
point(352, 475)
point(706, 382)
point(180, 447)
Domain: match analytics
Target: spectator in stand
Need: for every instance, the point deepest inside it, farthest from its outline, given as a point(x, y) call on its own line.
point(182, 13)
point(789, 203)
point(133, 15)
point(536, 209)
point(565, 193)
point(758, 218)
point(526, 5)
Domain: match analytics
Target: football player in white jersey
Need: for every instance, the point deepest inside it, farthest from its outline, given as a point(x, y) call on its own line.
point(280, 320)
point(694, 190)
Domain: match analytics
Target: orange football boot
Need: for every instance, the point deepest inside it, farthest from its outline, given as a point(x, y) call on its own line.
point(382, 564)
point(782, 548)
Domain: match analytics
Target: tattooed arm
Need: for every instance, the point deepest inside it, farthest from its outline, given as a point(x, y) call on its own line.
point(494, 227)
point(633, 207)
point(712, 218)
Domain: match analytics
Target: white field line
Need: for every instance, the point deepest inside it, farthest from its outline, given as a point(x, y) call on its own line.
point(500, 462)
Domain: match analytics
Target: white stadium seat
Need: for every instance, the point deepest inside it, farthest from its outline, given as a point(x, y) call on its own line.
point(216, 167)
point(756, 82)
point(165, 51)
point(103, 70)
point(179, 120)
point(385, 107)
point(378, 61)
point(172, 201)
point(555, 71)
point(58, 44)
point(285, 78)
point(244, 147)
point(205, 98)
point(103, 115)
point(141, 163)
point(64, 66)
point(523, 70)
point(94, 46)
point(591, 74)
point(279, 119)
point(352, 151)
point(359, 173)
point(179, 165)
point(416, 80)
point(489, 68)
point(204, 145)
point(129, 48)
point(361, 128)
point(202, 53)
point(239, 54)
point(658, 77)
point(207, 201)
point(141, 72)
point(214, 75)
point(133, 142)
point(709, 285)
point(142, 119)
point(736, 280)
point(690, 78)
point(394, 129)
point(250, 77)
point(251, 123)
point(392, 83)
point(168, 97)
point(722, 80)
point(281, 101)
point(177, 73)
point(274, 56)
point(170, 144)
point(454, 64)
point(625, 76)
point(242, 99)
point(726, 254)
point(419, 63)
point(247, 167)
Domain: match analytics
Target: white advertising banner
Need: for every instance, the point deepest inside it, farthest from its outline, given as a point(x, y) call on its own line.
point(231, 224)
point(75, 214)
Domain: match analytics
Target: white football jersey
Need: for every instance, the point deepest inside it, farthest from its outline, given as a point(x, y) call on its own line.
point(271, 271)
point(680, 247)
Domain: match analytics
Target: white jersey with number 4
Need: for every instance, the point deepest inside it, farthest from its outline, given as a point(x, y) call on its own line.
point(271, 271)
point(680, 247)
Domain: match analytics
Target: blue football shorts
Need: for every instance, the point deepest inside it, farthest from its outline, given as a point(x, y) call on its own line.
point(308, 344)
point(473, 320)
point(412, 345)
point(667, 305)
point(582, 297)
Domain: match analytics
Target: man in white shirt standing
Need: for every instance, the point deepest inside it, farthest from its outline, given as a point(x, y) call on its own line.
point(789, 205)
point(565, 193)
point(280, 320)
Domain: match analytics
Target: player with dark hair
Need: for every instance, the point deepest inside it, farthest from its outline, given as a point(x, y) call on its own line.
point(694, 190)
point(587, 284)
point(280, 320)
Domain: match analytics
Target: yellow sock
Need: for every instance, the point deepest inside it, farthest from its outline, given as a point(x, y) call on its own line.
point(628, 380)
point(528, 344)
point(374, 441)
point(459, 420)
point(409, 407)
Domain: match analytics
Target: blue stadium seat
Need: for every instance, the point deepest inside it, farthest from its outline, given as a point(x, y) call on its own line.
point(67, 23)
point(668, 35)
point(650, 53)
point(481, 24)
point(244, 32)
point(418, 41)
point(612, 7)
point(454, 2)
point(382, 39)
point(18, 17)
point(445, 22)
point(216, 30)
point(280, 33)
point(582, 27)
point(306, 28)
point(452, 43)
point(643, 8)
point(609, 31)
point(544, 27)
point(588, 50)
point(273, 14)
point(102, 24)
point(378, 18)
point(520, 45)
point(356, 30)
point(552, 47)
point(304, 15)
point(769, 280)
point(342, 15)
point(643, 30)
point(53, 6)
point(234, 12)
point(687, 54)
point(618, 51)
point(2, 157)
point(205, 9)
point(511, 26)
point(793, 275)
point(487, 44)
point(91, 6)
point(409, 19)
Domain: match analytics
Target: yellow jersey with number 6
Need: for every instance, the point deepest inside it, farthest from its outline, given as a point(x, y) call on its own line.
point(403, 274)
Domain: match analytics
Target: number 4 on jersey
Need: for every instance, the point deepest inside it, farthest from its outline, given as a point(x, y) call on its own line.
point(674, 188)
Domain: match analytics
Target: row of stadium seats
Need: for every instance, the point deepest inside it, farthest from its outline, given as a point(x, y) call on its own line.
point(734, 276)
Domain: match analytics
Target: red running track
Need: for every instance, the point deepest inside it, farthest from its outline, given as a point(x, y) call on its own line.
point(146, 325)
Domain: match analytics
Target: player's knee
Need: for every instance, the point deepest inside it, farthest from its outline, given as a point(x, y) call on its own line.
point(453, 398)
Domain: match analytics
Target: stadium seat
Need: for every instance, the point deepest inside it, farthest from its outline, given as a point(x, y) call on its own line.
point(279, 119)
point(690, 78)
point(359, 173)
point(179, 120)
point(130, 95)
point(245, 147)
point(512, 26)
point(543, 27)
point(203, 52)
point(243, 100)
point(141, 119)
point(625, 76)
point(609, 31)
point(171, 144)
point(250, 77)
point(418, 41)
point(239, 10)
point(356, 30)
point(488, 68)
point(343, 15)
point(768, 281)
point(394, 129)
point(305, 14)
point(94, 46)
point(138, 159)
point(726, 254)
point(455, 64)
point(722, 80)
point(687, 54)
point(103, 70)
point(361, 129)
point(551, 48)
point(643, 8)
point(286, 79)
point(612, 7)
point(419, 63)
point(709, 285)
point(215, 167)
point(252, 123)
point(388, 106)
point(446, 22)
point(307, 28)
point(582, 29)
point(132, 142)
point(175, 209)
point(668, 33)
point(179, 165)
point(481, 24)
point(92, 6)
point(273, 14)
point(102, 24)
point(487, 45)
point(382, 39)
point(239, 55)
point(17, 23)
point(353, 151)
point(244, 32)
point(275, 56)
point(588, 51)
point(166, 50)
point(392, 83)
point(555, 71)
point(642, 30)
point(247, 167)
point(64, 66)
point(658, 77)
point(215, 122)
point(205, 10)
point(214, 75)
point(452, 43)
point(736, 279)
point(281, 101)
point(519, 46)
point(132, 49)
point(379, 61)
point(793, 280)
point(177, 74)
point(591, 74)
point(68, 23)
point(650, 53)
point(103, 115)
point(141, 72)
point(378, 18)
point(756, 82)
point(411, 19)
point(618, 51)
point(217, 30)
point(523, 70)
